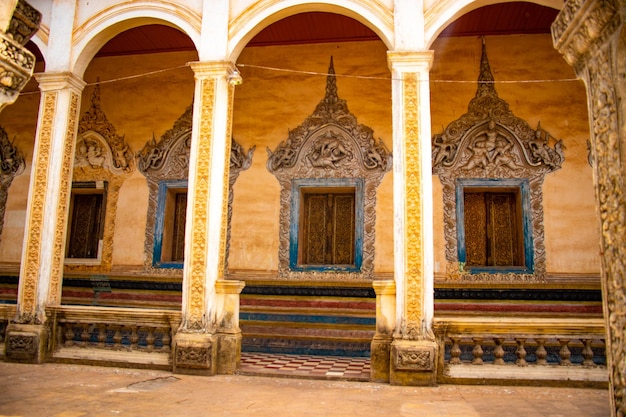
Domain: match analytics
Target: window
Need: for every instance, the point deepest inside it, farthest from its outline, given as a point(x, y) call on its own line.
point(169, 237)
point(326, 225)
point(493, 225)
point(86, 222)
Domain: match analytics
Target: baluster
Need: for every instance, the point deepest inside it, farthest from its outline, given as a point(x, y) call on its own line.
point(477, 352)
point(69, 335)
point(102, 335)
point(134, 338)
point(117, 338)
point(498, 352)
point(541, 352)
point(84, 335)
point(565, 353)
point(587, 353)
point(455, 351)
point(167, 340)
point(150, 339)
point(520, 352)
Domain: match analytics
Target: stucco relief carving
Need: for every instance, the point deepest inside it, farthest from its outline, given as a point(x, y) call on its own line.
point(11, 165)
point(168, 159)
point(101, 155)
point(489, 141)
point(29, 281)
point(590, 35)
point(16, 62)
point(329, 144)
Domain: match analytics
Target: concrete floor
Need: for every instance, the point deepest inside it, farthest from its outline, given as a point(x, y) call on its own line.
point(74, 391)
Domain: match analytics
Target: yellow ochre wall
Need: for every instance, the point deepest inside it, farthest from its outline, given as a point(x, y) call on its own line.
point(270, 102)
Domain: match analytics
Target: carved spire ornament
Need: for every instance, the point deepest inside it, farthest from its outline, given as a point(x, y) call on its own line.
point(329, 144)
point(490, 142)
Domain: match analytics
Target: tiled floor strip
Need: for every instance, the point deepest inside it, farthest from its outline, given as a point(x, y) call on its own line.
point(305, 366)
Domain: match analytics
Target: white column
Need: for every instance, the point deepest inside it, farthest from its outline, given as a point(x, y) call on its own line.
point(413, 351)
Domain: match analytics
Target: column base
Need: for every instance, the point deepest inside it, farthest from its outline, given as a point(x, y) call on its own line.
point(380, 349)
point(413, 362)
point(228, 353)
point(195, 354)
point(26, 343)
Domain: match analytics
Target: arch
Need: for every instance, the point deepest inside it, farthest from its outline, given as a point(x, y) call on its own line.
point(442, 13)
point(102, 27)
point(265, 12)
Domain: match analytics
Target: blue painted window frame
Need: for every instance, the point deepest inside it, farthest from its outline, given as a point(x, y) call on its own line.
point(164, 187)
point(487, 184)
point(297, 187)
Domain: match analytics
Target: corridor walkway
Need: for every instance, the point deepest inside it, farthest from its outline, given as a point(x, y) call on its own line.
point(59, 390)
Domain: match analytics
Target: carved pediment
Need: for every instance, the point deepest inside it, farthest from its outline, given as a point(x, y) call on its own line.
point(330, 143)
point(489, 141)
point(169, 157)
point(98, 145)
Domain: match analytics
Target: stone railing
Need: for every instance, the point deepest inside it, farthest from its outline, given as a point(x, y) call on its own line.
point(533, 350)
point(140, 337)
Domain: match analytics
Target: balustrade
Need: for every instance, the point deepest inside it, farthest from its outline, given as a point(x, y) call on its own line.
point(115, 337)
point(524, 351)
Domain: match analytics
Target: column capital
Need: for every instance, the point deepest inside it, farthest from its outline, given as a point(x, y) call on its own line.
point(581, 24)
point(53, 81)
point(212, 69)
point(410, 61)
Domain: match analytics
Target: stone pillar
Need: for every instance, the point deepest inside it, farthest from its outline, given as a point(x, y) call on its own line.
point(385, 323)
point(413, 350)
point(591, 35)
point(41, 272)
point(196, 343)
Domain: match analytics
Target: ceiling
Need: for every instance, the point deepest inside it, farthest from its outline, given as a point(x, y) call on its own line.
point(315, 27)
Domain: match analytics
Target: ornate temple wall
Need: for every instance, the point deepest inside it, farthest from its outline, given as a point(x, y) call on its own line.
point(269, 103)
point(570, 219)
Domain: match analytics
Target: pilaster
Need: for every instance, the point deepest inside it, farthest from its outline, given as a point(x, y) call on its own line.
point(385, 323)
point(413, 350)
point(41, 270)
point(196, 341)
point(591, 35)
point(228, 332)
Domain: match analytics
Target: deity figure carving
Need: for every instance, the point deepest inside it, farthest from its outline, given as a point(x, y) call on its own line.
point(328, 151)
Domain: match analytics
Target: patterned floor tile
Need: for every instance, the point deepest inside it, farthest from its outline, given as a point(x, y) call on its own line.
point(305, 366)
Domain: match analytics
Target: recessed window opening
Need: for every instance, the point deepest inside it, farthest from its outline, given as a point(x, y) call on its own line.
point(169, 245)
point(326, 225)
point(327, 234)
point(86, 221)
point(494, 225)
